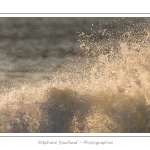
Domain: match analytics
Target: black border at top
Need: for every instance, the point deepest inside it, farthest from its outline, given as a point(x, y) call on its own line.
point(81, 13)
point(75, 136)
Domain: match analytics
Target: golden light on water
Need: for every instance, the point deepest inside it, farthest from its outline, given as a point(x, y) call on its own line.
point(103, 88)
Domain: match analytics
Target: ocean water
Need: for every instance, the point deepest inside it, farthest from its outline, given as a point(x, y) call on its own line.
point(74, 75)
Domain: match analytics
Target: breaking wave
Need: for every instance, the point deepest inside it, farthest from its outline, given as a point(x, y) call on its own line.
point(104, 89)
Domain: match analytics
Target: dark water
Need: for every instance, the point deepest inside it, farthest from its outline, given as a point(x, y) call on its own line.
point(74, 75)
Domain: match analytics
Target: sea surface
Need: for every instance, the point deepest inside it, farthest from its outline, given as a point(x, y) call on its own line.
point(74, 75)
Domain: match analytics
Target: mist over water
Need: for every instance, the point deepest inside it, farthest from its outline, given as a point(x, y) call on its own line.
point(61, 75)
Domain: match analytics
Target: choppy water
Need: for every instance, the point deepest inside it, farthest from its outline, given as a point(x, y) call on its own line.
point(74, 75)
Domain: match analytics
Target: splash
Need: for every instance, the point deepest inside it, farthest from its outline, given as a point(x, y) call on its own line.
point(103, 89)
